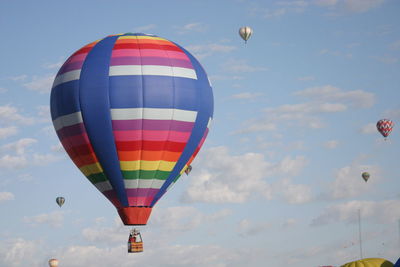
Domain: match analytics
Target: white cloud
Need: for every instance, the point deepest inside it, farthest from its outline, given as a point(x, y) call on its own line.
point(395, 45)
point(184, 218)
point(145, 28)
point(323, 99)
point(203, 51)
point(240, 66)
point(17, 155)
point(9, 114)
point(18, 78)
point(20, 146)
point(348, 182)
point(293, 193)
point(191, 27)
point(381, 212)
point(250, 228)
point(41, 84)
point(357, 98)
point(359, 6)
point(331, 144)
point(306, 78)
point(246, 95)
point(7, 132)
point(54, 219)
point(325, 2)
point(53, 65)
point(370, 128)
point(18, 252)
point(387, 59)
point(289, 223)
point(6, 196)
point(224, 178)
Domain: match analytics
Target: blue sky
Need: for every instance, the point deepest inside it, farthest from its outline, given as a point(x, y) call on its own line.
point(278, 181)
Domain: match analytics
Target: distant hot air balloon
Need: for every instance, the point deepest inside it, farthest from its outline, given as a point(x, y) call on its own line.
point(370, 262)
point(60, 201)
point(245, 32)
point(132, 111)
point(188, 169)
point(365, 176)
point(385, 126)
point(53, 262)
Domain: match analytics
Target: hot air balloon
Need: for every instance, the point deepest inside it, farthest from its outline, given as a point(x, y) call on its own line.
point(245, 32)
point(188, 169)
point(132, 111)
point(365, 176)
point(369, 262)
point(385, 126)
point(53, 262)
point(60, 201)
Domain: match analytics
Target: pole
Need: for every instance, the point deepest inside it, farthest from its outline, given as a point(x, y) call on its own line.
point(359, 232)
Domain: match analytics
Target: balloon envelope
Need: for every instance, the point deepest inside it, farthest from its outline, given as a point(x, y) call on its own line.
point(365, 176)
point(385, 127)
point(369, 262)
point(60, 201)
point(53, 262)
point(132, 111)
point(245, 32)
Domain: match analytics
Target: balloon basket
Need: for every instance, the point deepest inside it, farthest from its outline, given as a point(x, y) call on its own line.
point(135, 247)
point(135, 242)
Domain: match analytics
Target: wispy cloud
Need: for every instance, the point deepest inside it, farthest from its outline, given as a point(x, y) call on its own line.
point(8, 131)
point(145, 28)
point(387, 59)
point(191, 27)
point(247, 227)
point(370, 128)
point(322, 99)
point(222, 178)
point(348, 182)
point(306, 78)
point(206, 50)
point(246, 95)
point(240, 66)
point(41, 84)
point(385, 211)
point(6, 196)
point(54, 219)
point(10, 114)
point(331, 144)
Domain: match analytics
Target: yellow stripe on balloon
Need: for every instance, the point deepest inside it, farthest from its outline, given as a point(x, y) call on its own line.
point(145, 165)
point(91, 169)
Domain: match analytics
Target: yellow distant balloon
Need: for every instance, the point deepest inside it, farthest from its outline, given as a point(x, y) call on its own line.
point(53, 263)
point(370, 262)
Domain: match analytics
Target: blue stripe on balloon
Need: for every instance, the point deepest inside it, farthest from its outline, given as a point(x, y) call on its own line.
point(64, 99)
point(126, 92)
point(95, 105)
point(205, 106)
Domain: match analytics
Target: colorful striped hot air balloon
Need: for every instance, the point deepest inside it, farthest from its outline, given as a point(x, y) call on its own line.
point(132, 111)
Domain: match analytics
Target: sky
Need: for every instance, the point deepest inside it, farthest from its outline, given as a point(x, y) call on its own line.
point(278, 180)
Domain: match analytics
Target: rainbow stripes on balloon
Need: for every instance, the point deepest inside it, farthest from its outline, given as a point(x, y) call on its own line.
point(132, 111)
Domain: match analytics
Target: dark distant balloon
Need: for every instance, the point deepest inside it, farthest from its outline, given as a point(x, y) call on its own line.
point(365, 176)
point(60, 201)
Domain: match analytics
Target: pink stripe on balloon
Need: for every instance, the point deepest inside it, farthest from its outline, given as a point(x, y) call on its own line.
point(140, 201)
point(137, 135)
point(148, 53)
